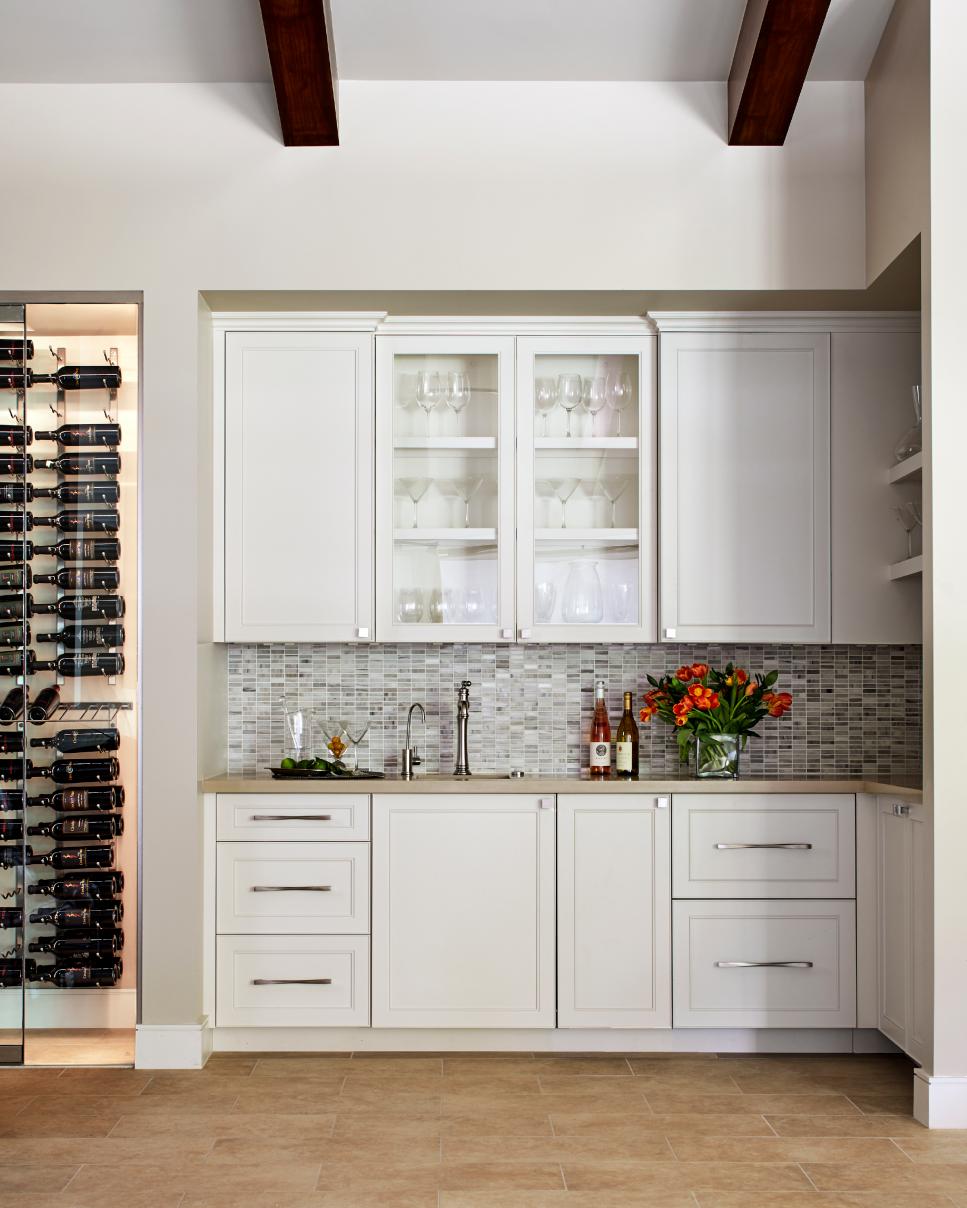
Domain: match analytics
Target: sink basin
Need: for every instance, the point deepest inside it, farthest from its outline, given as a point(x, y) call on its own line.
point(475, 776)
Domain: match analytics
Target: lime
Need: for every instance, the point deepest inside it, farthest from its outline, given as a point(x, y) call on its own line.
point(287, 764)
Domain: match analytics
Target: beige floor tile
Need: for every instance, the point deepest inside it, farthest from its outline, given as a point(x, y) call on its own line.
point(106, 1082)
point(643, 1148)
point(399, 1178)
point(485, 1176)
point(23, 1180)
point(320, 1100)
point(105, 1105)
point(879, 1103)
point(673, 1102)
point(821, 1199)
point(301, 1067)
point(845, 1126)
point(398, 1063)
point(225, 1185)
point(561, 1084)
point(114, 1151)
point(625, 1125)
point(224, 1125)
point(931, 1146)
point(733, 1176)
point(495, 1123)
point(69, 1124)
point(91, 1197)
point(355, 1199)
point(781, 1149)
point(566, 1199)
point(373, 1152)
point(19, 1081)
point(889, 1177)
point(359, 1127)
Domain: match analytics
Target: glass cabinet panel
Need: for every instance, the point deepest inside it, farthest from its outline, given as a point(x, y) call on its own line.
point(444, 488)
point(586, 488)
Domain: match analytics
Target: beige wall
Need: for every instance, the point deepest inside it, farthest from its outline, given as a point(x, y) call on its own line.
point(898, 136)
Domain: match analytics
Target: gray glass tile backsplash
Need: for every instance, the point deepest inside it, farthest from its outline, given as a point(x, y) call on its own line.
point(856, 709)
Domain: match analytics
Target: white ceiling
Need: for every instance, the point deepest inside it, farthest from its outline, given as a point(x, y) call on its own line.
point(182, 41)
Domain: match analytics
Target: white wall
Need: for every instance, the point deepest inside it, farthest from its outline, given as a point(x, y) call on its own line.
point(175, 189)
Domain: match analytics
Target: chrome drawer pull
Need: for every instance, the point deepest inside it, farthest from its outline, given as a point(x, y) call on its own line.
point(763, 846)
point(291, 888)
point(763, 964)
point(292, 981)
point(291, 818)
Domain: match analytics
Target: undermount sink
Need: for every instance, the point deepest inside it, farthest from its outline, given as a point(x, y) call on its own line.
point(472, 776)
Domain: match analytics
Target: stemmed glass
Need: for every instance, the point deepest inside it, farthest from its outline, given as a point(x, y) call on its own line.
point(355, 732)
point(613, 488)
point(458, 391)
point(429, 393)
point(564, 488)
point(910, 517)
point(570, 390)
point(594, 395)
point(335, 733)
point(415, 488)
point(619, 394)
point(546, 397)
point(466, 488)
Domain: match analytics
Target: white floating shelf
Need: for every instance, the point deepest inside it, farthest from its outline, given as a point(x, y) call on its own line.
point(462, 536)
point(434, 443)
point(910, 467)
point(906, 568)
point(601, 536)
point(600, 443)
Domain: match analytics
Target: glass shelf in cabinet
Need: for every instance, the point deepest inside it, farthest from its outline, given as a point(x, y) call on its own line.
point(459, 536)
point(601, 536)
point(601, 443)
point(430, 443)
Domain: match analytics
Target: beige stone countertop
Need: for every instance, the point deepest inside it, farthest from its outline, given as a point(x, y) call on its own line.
point(485, 783)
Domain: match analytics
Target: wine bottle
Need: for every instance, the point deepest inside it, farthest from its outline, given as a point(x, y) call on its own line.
point(101, 856)
point(14, 635)
point(89, 917)
point(76, 463)
point(11, 800)
point(16, 551)
point(86, 637)
point(10, 917)
point(44, 703)
point(75, 771)
point(67, 377)
point(82, 664)
point(81, 549)
point(70, 742)
point(12, 607)
point(17, 662)
point(12, 740)
point(15, 492)
point(19, 464)
point(12, 970)
point(600, 762)
point(79, 944)
point(11, 829)
point(85, 520)
point(13, 857)
point(79, 578)
point(84, 608)
point(15, 578)
point(80, 826)
point(71, 976)
point(79, 801)
point(16, 350)
point(90, 886)
point(85, 435)
point(78, 492)
point(626, 742)
point(13, 436)
point(16, 522)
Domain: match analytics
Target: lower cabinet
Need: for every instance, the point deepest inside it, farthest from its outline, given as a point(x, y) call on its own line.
point(904, 847)
point(613, 911)
point(463, 911)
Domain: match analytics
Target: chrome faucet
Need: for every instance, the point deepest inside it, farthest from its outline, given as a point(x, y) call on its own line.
point(410, 756)
point(463, 716)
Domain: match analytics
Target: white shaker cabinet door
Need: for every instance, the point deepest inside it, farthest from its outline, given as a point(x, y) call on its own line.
point(298, 486)
point(744, 495)
point(463, 911)
point(614, 912)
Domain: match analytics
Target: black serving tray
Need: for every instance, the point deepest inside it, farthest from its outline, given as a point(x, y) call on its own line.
point(314, 774)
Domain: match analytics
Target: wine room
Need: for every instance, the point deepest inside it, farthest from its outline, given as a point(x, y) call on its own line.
point(69, 410)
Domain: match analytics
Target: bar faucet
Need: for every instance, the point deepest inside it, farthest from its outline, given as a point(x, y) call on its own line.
point(463, 716)
point(410, 756)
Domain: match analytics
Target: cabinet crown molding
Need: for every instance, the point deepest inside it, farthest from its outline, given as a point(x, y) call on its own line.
point(523, 325)
point(289, 320)
point(785, 320)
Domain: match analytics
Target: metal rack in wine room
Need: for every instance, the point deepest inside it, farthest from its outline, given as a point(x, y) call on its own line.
point(68, 680)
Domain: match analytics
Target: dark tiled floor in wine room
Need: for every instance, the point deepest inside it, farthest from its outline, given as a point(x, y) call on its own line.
point(478, 1131)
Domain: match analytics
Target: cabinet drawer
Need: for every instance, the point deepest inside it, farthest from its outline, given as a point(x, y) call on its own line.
point(292, 816)
point(286, 888)
point(292, 981)
point(764, 964)
point(763, 845)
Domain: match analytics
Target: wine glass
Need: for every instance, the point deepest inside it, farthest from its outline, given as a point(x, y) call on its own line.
point(569, 389)
point(594, 396)
point(619, 394)
point(546, 397)
point(911, 442)
point(545, 597)
point(355, 732)
point(910, 517)
point(415, 488)
point(466, 488)
point(458, 391)
point(429, 391)
point(613, 487)
point(409, 606)
point(564, 488)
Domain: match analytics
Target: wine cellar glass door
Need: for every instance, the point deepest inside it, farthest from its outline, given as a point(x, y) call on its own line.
point(68, 716)
point(13, 349)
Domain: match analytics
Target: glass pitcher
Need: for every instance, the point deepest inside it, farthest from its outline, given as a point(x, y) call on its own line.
point(583, 600)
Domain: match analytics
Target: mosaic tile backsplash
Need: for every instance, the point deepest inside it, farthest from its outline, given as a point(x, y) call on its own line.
point(856, 709)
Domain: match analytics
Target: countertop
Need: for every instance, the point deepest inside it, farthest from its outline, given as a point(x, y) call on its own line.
point(903, 788)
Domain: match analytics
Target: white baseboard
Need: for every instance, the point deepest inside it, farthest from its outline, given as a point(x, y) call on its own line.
point(939, 1102)
point(546, 1040)
point(174, 1046)
point(95, 1008)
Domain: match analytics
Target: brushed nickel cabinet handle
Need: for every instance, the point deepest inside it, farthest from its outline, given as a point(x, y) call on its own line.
point(292, 981)
point(901, 811)
point(291, 888)
point(291, 817)
point(763, 964)
point(763, 846)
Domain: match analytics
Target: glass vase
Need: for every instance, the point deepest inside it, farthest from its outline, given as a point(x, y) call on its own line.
point(717, 756)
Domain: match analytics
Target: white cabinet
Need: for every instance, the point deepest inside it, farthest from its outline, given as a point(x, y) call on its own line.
point(744, 495)
point(298, 486)
point(613, 912)
point(463, 911)
point(905, 925)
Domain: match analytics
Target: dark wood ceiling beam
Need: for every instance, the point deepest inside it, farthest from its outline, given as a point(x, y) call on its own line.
point(773, 53)
point(299, 37)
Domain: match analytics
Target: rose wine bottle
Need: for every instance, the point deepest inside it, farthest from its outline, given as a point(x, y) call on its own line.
point(600, 763)
point(626, 742)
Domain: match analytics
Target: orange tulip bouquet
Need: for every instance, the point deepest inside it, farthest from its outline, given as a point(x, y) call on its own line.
point(714, 712)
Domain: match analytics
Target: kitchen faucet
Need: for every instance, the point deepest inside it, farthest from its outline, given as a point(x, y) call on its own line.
point(410, 756)
point(463, 716)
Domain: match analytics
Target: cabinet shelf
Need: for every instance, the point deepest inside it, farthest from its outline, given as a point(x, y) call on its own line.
point(458, 536)
point(429, 444)
point(600, 443)
point(906, 568)
point(906, 470)
point(599, 536)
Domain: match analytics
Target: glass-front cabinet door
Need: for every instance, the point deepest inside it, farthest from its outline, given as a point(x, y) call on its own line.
point(445, 488)
point(586, 489)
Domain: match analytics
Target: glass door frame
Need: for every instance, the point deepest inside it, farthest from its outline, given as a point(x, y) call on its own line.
point(645, 348)
point(388, 347)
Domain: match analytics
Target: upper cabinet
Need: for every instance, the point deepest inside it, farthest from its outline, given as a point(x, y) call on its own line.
point(298, 486)
point(745, 487)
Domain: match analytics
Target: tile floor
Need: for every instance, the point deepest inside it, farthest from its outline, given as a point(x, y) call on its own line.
point(477, 1131)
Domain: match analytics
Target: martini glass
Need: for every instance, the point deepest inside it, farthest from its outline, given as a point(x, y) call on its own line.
point(613, 487)
point(564, 488)
point(415, 488)
point(910, 517)
point(335, 735)
point(466, 489)
point(355, 732)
